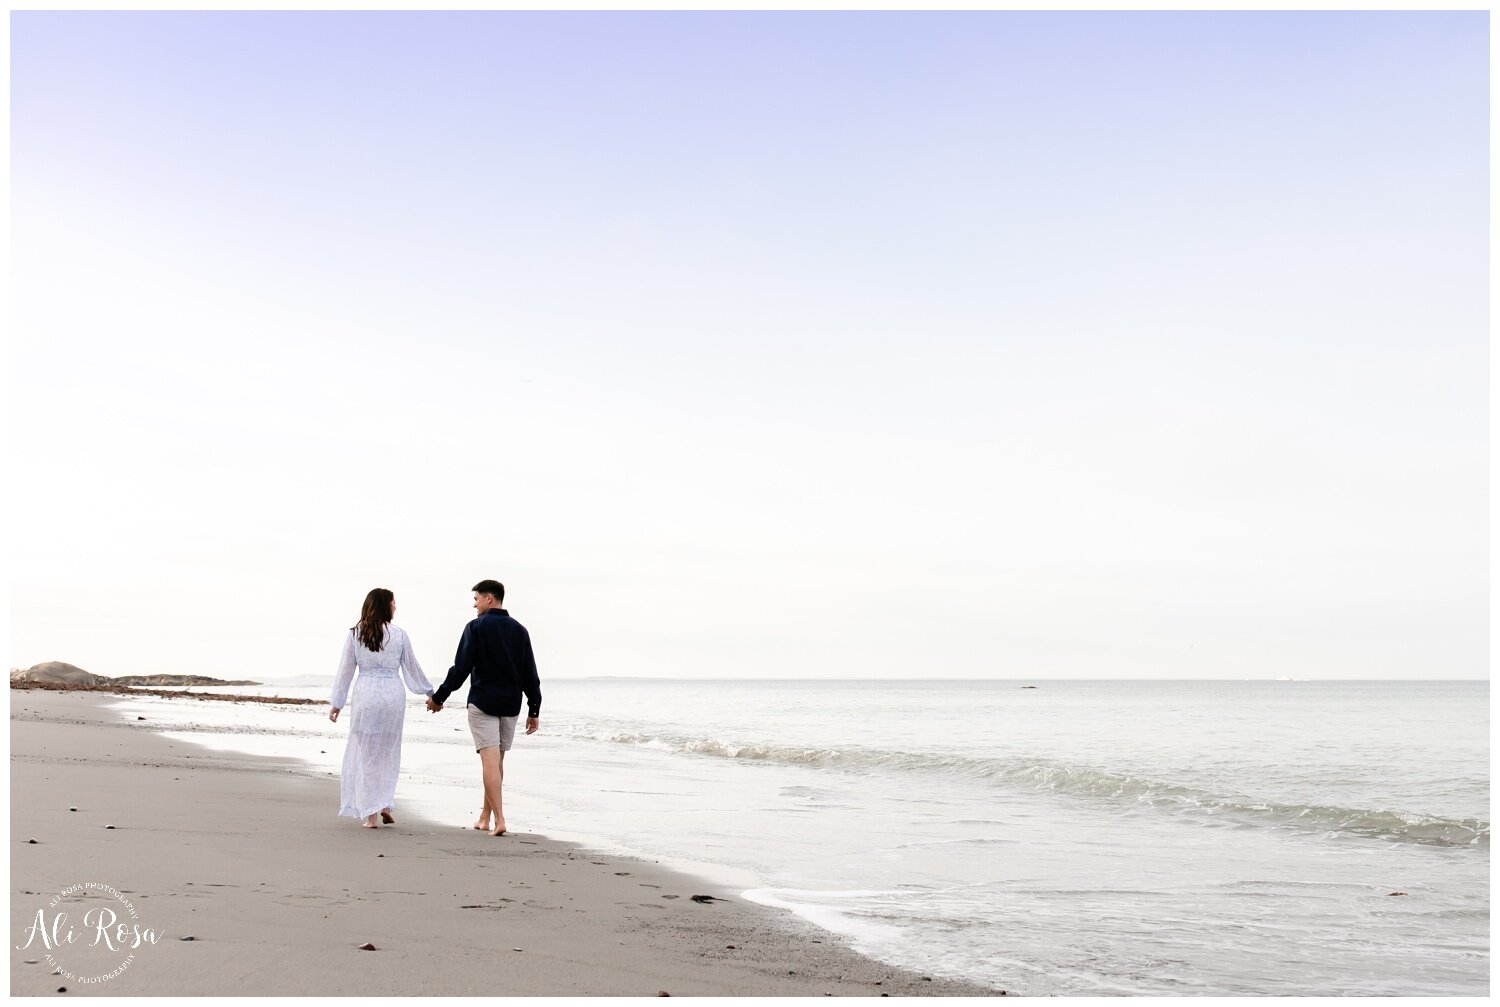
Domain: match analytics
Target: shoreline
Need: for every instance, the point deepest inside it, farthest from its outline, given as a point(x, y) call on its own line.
point(202, 840)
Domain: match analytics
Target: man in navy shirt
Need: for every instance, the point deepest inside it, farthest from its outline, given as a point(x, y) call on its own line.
point(496, 651)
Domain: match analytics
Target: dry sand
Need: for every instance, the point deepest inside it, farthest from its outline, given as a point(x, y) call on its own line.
point(247, 856)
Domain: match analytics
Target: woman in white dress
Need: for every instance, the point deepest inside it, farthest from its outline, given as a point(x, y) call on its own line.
point(383, 656)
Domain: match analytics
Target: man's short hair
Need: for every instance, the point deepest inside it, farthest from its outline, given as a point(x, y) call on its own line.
point(493, 588)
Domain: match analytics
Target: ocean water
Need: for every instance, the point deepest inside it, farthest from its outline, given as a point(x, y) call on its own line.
point(1082, 837)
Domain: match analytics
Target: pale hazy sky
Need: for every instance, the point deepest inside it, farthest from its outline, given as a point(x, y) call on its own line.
point(754, 345)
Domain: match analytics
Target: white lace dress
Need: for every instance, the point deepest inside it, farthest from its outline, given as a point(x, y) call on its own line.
point(377, 708)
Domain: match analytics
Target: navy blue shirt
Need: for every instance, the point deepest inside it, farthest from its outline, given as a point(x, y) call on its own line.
point(496, 651)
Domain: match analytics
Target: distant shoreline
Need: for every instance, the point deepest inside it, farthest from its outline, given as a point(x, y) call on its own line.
point(135, 690)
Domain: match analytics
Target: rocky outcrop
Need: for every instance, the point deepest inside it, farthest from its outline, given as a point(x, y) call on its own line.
point(179, 680)
point(58, 673)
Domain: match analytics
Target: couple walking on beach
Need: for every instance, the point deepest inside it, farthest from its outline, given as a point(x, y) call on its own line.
point(494, 651)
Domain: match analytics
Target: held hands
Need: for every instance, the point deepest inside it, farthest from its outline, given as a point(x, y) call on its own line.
point(532, 723)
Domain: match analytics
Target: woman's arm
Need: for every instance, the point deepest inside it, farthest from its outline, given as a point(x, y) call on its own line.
point(344, 678)
point(411, 671)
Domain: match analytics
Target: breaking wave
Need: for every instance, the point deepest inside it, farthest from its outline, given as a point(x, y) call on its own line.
point(1086, 782)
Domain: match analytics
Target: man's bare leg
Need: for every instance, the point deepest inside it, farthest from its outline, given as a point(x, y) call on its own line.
point(483, 822)
point(492, 762)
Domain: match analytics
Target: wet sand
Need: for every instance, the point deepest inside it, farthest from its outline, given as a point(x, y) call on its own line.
point(247, 856)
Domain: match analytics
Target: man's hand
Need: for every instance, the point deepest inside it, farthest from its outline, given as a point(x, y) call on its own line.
point(532, 723)
point(434, 707)
point(333, 714)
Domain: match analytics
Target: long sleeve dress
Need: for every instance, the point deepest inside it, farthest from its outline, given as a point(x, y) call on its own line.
point(372, 759)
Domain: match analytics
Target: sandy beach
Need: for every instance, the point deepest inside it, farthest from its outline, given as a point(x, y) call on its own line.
point(247, 857)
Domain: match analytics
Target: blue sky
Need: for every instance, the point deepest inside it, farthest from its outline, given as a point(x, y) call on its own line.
point(775, 344)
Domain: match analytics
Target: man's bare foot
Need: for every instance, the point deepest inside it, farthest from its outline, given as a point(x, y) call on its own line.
point(370, 823)
point(387, 817)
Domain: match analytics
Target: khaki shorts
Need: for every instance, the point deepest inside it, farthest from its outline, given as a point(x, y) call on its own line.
point(491, 732)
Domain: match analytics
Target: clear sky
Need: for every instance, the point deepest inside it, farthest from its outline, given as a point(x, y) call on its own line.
point(830, 345)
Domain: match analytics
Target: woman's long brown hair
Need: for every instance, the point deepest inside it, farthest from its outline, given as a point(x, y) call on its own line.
point(373, 617)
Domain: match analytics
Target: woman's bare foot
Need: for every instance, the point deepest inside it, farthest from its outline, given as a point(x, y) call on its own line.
point(499, 829)
point(370, 823)
point(387, 817)
point(482, 823)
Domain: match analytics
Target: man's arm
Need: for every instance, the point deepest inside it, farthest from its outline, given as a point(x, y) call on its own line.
point(463, 663)
point(531, 685)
